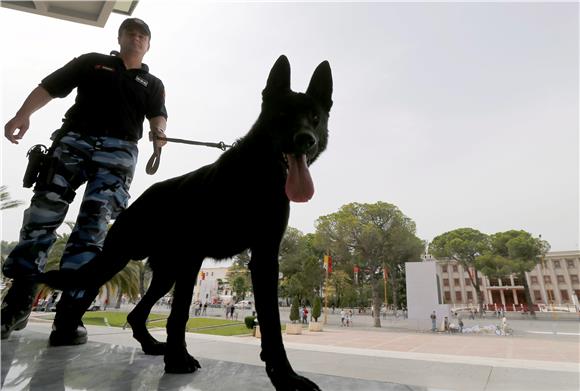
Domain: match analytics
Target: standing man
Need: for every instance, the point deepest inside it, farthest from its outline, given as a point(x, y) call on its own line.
point(96, 145)
point(434, 321)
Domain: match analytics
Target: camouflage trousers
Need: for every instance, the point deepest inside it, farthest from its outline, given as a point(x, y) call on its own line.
point(107, 166)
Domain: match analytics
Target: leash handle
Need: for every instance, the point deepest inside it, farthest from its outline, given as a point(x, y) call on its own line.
point(153, 162)
point(155, 159)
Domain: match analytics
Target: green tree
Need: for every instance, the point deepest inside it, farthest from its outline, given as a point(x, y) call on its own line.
point(513, 252)
point(373, 236)
point(238, 275)
point(340, 286)
point(300, 265)
point(463, 245)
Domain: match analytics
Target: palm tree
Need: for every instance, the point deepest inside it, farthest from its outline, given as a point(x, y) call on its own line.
point(5, 202)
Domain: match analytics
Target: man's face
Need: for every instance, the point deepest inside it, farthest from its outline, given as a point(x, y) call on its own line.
point(134, 40)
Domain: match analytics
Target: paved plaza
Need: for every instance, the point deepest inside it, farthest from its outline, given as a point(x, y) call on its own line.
point(358, 358)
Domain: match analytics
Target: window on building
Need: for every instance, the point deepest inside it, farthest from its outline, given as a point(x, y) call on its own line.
point(574, 278)
point(557, 265)
point(446, 282)
point(467, 282)
point(444, 268)
point(517, 281)
point(547, 279)
point(570, 263)
point(456, 281)
point(469, 295)
point(534, 279)
point(560, 279)
point(506, 282)
point(564, 295)
point(458, 297)
point(494, 282)
point(455, 269)
point(447, 297)
point(550, 295)
point(577, 291)
point(537, 296)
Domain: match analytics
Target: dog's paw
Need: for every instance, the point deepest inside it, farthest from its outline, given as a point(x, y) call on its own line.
point(287, 380)
point(180, 362)
point(155, 348)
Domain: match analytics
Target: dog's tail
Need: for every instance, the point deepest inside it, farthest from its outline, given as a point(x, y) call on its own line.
point(92, 275)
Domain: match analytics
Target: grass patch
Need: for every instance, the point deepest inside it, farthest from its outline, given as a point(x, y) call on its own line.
point(194, 325)
point(117, 319)
point(239, 329)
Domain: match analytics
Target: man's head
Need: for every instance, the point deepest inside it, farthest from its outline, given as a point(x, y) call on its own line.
point(134, 36)
point(135, 24)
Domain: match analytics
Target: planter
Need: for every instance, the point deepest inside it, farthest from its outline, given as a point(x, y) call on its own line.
point(315, 326)
point(293, 328)
point(256, 332)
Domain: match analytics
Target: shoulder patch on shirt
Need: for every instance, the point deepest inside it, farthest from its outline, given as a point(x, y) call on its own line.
point(141, 80)
point(106, 68)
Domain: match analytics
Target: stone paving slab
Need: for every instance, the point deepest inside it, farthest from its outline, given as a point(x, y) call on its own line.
point(28, 364)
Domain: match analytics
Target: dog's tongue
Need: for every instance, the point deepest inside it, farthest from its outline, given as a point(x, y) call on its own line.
point(299, 186)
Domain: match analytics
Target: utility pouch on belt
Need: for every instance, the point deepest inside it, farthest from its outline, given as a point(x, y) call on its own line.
point(37, 156)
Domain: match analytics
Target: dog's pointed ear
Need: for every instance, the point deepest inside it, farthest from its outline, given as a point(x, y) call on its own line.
point(320, 87)
point(279, 78)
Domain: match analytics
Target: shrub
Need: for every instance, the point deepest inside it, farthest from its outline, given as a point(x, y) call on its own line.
point(316, 308)
point(294, 312)
point(250, 321)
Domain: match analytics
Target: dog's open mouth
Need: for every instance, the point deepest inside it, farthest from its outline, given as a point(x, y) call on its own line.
point(299, 186)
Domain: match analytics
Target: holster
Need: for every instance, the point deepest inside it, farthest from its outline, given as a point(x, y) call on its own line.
point(41, 162)
point(36, 160)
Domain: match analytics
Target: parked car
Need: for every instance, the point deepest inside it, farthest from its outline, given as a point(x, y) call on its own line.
point(244, 304)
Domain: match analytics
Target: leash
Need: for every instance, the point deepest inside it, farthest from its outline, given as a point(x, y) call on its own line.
point(155, 159)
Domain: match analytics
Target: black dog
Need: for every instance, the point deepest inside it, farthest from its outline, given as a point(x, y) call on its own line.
point(239, 202)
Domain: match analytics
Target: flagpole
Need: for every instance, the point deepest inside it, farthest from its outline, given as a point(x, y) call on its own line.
point(385, 284)
point(326, 289)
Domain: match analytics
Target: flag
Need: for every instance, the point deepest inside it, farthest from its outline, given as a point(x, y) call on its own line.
point(328, 263)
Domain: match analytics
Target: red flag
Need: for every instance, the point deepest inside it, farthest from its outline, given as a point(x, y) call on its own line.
point(328, 263)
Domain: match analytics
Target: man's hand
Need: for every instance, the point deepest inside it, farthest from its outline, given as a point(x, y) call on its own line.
point(154, 135)
point(18, 122)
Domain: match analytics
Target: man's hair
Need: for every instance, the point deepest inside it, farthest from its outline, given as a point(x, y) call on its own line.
point(135, 23)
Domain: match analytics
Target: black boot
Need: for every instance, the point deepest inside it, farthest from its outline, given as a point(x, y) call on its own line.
point(17, 306)
point(68, 329)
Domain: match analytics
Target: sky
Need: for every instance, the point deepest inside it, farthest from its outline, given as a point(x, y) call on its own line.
point(460, 114)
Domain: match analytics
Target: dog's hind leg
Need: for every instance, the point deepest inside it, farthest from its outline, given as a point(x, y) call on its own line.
point(177, 359)
point(161, 283)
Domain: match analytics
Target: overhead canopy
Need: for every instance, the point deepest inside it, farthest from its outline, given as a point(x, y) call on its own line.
point(94, 13)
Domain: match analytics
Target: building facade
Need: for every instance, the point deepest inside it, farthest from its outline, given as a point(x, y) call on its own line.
point(554, 282)
point(212, 286)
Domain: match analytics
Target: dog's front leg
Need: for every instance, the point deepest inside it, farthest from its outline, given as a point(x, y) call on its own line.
point(177, 359)
point(264, 268)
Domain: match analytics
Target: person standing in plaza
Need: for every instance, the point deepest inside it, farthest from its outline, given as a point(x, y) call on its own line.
point(96, 145)
point(433, 321)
